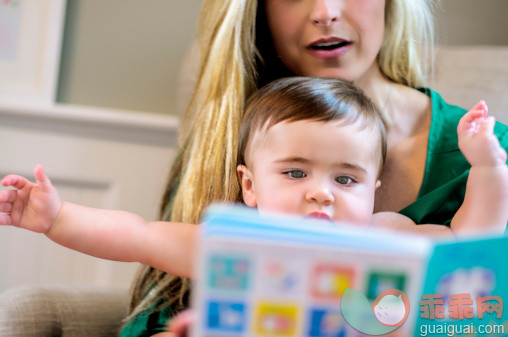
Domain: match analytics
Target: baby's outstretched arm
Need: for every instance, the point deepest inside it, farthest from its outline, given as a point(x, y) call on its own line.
point(112, 235)
point(485, 206)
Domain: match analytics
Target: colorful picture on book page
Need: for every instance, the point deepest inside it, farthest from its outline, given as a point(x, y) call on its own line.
point(280, 276)
point(476, 282)
point(326, 322)
point(329, 281)
point(379, 281)
point(275, 319)
point(228, 272)
point(226, 316)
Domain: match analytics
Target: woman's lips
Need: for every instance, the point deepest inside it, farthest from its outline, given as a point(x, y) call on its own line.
point(330, 47)
point(319, 215)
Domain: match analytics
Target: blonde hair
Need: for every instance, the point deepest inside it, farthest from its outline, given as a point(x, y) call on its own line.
point(231, 68)
point(407, 53)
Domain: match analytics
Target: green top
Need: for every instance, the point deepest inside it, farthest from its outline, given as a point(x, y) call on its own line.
point(446, 169)
point(148, 323)
point(440, 196)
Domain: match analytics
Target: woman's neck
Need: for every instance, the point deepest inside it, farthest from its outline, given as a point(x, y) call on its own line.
point(376, 86)
point(407, 113)
point(402, 107)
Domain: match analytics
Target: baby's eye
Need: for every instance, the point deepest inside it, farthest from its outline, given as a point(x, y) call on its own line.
point(344, 180)
point(296, 174)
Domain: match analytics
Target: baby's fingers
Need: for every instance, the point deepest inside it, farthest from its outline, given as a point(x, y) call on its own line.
point(14, 181)
point(42, 179)
point(486, 131)
point(5, 207)
point(471, 120)
point(8, 196)
point(5, 220)
point(480, 106)
point(182, 322)
point(487, 126)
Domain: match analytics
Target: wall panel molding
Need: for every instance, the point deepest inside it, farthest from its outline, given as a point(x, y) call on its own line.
point(121, 125)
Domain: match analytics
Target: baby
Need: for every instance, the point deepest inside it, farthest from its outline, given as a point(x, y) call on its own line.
point(316, 147)
point(310, 147)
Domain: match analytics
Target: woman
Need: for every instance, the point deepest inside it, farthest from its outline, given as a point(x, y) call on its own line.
point(384, 47)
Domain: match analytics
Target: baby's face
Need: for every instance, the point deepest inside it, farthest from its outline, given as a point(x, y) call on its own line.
point(315, 169)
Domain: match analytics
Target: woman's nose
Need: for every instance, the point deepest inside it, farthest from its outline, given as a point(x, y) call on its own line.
point(325, 12)
point(320, 194)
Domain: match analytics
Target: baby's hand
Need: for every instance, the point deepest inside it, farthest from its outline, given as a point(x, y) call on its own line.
point(30, 206)
point(477, 141)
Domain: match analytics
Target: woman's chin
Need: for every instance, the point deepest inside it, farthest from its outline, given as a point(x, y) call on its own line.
point(330, 73)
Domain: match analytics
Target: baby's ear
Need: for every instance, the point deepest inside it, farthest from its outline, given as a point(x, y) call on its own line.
point(247, 183)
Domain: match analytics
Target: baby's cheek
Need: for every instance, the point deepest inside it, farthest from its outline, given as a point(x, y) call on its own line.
point(278, 202)
point(363, 218)
point(362, 211)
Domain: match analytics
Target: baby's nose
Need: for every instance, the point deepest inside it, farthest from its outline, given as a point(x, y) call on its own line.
point(320, 194)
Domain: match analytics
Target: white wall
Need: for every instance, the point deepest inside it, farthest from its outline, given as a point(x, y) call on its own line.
point(125, 54)
point(471, 63)
point(98, 158)
point(473, 22)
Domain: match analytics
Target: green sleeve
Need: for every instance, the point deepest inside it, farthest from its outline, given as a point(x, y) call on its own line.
point(446, 170)
point(148, 323)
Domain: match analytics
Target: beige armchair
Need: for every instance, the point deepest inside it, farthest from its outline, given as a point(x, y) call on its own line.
point(62, 311)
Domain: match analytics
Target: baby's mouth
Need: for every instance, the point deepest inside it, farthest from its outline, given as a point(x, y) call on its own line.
point(319, 215)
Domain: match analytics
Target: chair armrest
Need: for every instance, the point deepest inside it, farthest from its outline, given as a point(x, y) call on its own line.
point(62, 311)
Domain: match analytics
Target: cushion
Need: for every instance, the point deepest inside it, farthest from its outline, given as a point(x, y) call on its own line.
point(62, 311)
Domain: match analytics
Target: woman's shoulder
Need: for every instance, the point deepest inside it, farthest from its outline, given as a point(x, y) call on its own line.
point(444, 115)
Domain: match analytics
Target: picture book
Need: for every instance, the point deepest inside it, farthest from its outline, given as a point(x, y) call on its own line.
point(287, 276)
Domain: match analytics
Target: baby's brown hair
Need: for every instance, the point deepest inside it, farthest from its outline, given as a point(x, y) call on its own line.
point(309, 98)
